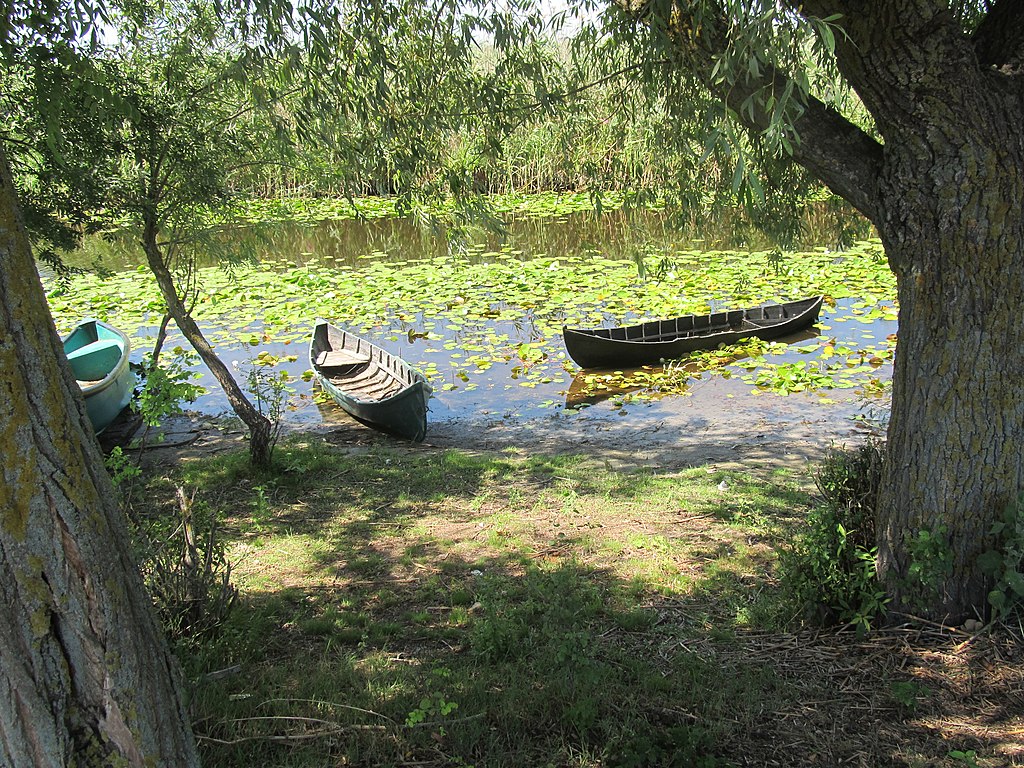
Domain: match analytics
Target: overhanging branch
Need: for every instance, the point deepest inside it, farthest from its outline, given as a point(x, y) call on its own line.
point(836, 151)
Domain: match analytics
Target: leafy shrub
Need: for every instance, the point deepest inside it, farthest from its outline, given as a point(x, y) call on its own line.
point(120, 466)
point(166, 386)
point(828, 574)
point(1004, 564)
point(679, 746)
point(270, 389)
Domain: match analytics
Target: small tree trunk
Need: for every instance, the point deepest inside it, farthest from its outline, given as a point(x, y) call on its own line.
point(260, 428)
point(161, 337)
point(85, 674)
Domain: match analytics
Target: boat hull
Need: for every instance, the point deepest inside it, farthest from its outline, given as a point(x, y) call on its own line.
point(98, 354)
point(373, 386)
point(651, 342)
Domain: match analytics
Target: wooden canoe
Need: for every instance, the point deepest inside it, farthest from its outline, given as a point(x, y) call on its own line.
point(376, 387)
point(646, 343)
point(98, 354)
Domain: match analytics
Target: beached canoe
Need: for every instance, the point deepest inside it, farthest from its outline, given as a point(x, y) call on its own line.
point(98, 354)
point(645, 343)
point(376, 387)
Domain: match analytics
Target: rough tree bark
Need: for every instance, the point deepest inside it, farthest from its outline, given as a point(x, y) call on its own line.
point(85, 674)
point(945, 188)
point(951, 196)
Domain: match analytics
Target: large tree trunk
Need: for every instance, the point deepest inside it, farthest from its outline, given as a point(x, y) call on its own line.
point(945, 187)
point(954, 232)
point(85, 674)
point(950, 204)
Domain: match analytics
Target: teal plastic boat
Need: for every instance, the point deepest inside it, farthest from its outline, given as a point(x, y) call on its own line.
point(98, 354)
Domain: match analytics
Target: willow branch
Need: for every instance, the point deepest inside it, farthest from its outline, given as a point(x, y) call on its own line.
point(833, 149)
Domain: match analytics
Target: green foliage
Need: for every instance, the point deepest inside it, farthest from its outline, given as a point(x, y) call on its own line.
point(546, 622)
point(412, 99)
point(680, 746)
point(55, 178)
point(429, 708)
point(829, 572)
point(269, 388)
point(851, 479)
point(931, 562)
point(1004, 563)
point(966, 757)
point(907, 693)
point(166, 386)
point(793, 377)
point(120, 467)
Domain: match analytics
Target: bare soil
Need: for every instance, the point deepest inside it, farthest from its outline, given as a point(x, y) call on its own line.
point(724, 425)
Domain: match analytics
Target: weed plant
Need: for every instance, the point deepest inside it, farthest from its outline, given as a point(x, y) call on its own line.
point(829, 572)
point(1004, 562)
point(186, 571)
point(189, 579)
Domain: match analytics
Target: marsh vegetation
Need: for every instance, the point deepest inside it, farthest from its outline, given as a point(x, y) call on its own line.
point(484, 322)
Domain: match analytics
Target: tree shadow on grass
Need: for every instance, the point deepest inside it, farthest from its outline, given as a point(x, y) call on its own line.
point(518, 663)
point(398, 643)
point(510, 663)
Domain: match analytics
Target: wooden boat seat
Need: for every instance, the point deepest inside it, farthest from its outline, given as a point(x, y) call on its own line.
point(95, 360)
point(339, 358)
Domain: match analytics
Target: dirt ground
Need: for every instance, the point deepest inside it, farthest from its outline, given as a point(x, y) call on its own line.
point(718, 427)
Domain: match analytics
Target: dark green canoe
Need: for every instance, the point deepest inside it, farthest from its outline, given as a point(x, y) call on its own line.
point(376, 387)
point(648, 343)
point(98, 354)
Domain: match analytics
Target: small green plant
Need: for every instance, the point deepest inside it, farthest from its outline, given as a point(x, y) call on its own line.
point(672, 747)
point(785, 378)
point(829, 572)
point(120, 467)
point(1004, 563)
point(260, 510)
point(269, 388)
point(907, 693)
point(931, 562)
point(430, 707)
point(968, 757)
point(166, 386)
point(189, 579)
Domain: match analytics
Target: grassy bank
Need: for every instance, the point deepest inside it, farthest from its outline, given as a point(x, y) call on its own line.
point(428, 608)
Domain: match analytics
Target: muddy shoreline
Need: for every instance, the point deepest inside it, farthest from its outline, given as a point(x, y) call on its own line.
point(721, 428)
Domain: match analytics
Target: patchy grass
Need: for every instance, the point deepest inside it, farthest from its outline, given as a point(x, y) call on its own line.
point(425, 608)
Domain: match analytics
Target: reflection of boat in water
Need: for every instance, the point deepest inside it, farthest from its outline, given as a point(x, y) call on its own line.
point(98, 354)
point(650, 342)
point(591, 386)
point(376, 387)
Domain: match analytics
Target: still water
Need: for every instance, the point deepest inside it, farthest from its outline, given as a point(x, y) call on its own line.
point(505, 397)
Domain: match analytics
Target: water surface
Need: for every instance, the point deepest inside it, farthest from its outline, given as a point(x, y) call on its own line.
point(511, 396)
